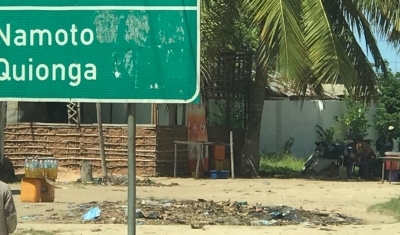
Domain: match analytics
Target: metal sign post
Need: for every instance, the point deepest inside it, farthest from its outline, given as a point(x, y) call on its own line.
point(131, 110)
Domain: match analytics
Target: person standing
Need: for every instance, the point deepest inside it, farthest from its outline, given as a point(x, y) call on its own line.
point(8, 213)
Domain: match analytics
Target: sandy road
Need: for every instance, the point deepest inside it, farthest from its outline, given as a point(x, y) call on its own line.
point(351, 198)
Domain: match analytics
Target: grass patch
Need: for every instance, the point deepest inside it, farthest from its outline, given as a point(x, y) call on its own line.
point(281, 164)
point(390, 208)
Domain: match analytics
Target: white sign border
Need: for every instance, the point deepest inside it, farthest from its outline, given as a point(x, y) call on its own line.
point(96, 8)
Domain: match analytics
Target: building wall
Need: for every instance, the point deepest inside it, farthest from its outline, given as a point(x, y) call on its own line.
point(71, 145)
point(283, 119)
point(111, 113)
point(165, 150)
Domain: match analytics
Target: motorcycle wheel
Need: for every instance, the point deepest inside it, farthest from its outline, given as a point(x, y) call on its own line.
point(308, 163)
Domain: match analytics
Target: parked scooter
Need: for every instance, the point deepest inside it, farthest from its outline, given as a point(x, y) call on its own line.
point(318, 152)
point(323, 156)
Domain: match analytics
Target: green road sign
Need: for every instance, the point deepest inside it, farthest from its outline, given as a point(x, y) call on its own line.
point(125, 51)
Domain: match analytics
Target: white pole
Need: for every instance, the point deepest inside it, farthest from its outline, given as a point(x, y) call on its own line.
point(232, 156)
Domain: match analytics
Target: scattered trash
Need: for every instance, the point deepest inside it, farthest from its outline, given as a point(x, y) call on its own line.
point(71, 215)
point(277, 215)
point(140, 222)
point(266, 183)
point(152, 215)
point(97, 181)
point(197, 226)
point(92, 214)
point(327, 229)
point(122, 180)
point(260, 223)
point(308, 225)
point(173, 212)
point(29, 217)
point(242, 203)
point(139, 213)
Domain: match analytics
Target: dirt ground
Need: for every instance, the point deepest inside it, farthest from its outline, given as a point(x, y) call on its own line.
point(349, 198)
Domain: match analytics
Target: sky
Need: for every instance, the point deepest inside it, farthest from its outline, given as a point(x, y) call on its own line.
point(388, 54)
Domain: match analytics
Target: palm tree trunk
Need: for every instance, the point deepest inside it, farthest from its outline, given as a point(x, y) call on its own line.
point(250, 151)
point(101, 141)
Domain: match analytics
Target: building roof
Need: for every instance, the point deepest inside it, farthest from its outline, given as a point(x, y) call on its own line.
point(277, 87)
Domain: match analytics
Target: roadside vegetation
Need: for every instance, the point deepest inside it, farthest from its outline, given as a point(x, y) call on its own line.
point(281, 164)
point(390, 208)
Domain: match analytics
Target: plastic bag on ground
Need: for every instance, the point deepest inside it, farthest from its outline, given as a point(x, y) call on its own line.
point(92, 214)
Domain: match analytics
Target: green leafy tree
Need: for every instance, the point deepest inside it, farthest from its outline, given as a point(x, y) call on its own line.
point(329, 135)
point(311, 42)
point(356, 117)
point(388, 105)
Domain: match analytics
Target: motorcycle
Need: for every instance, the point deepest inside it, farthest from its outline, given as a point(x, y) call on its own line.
point(324, 156)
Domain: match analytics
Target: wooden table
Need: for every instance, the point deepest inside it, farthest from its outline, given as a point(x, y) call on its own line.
point(384, 160)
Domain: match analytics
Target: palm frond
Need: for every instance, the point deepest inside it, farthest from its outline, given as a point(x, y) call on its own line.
point(358, 21)
point(364, 87)
point(327, 54)
point(281, 37)
point(384, 15)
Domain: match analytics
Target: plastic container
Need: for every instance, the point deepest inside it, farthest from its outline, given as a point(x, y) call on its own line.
point(217, 165)
point(53, 170)
point(224, 174)
point(392, 165)
point(219, 152)
point(30, 190)
point(27, 168)
point(215, 174)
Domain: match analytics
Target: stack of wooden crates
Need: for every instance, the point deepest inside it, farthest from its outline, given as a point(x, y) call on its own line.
point(37, 190)
point(218, 161)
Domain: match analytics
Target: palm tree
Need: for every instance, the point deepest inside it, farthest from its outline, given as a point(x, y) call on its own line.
point(311, 42)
